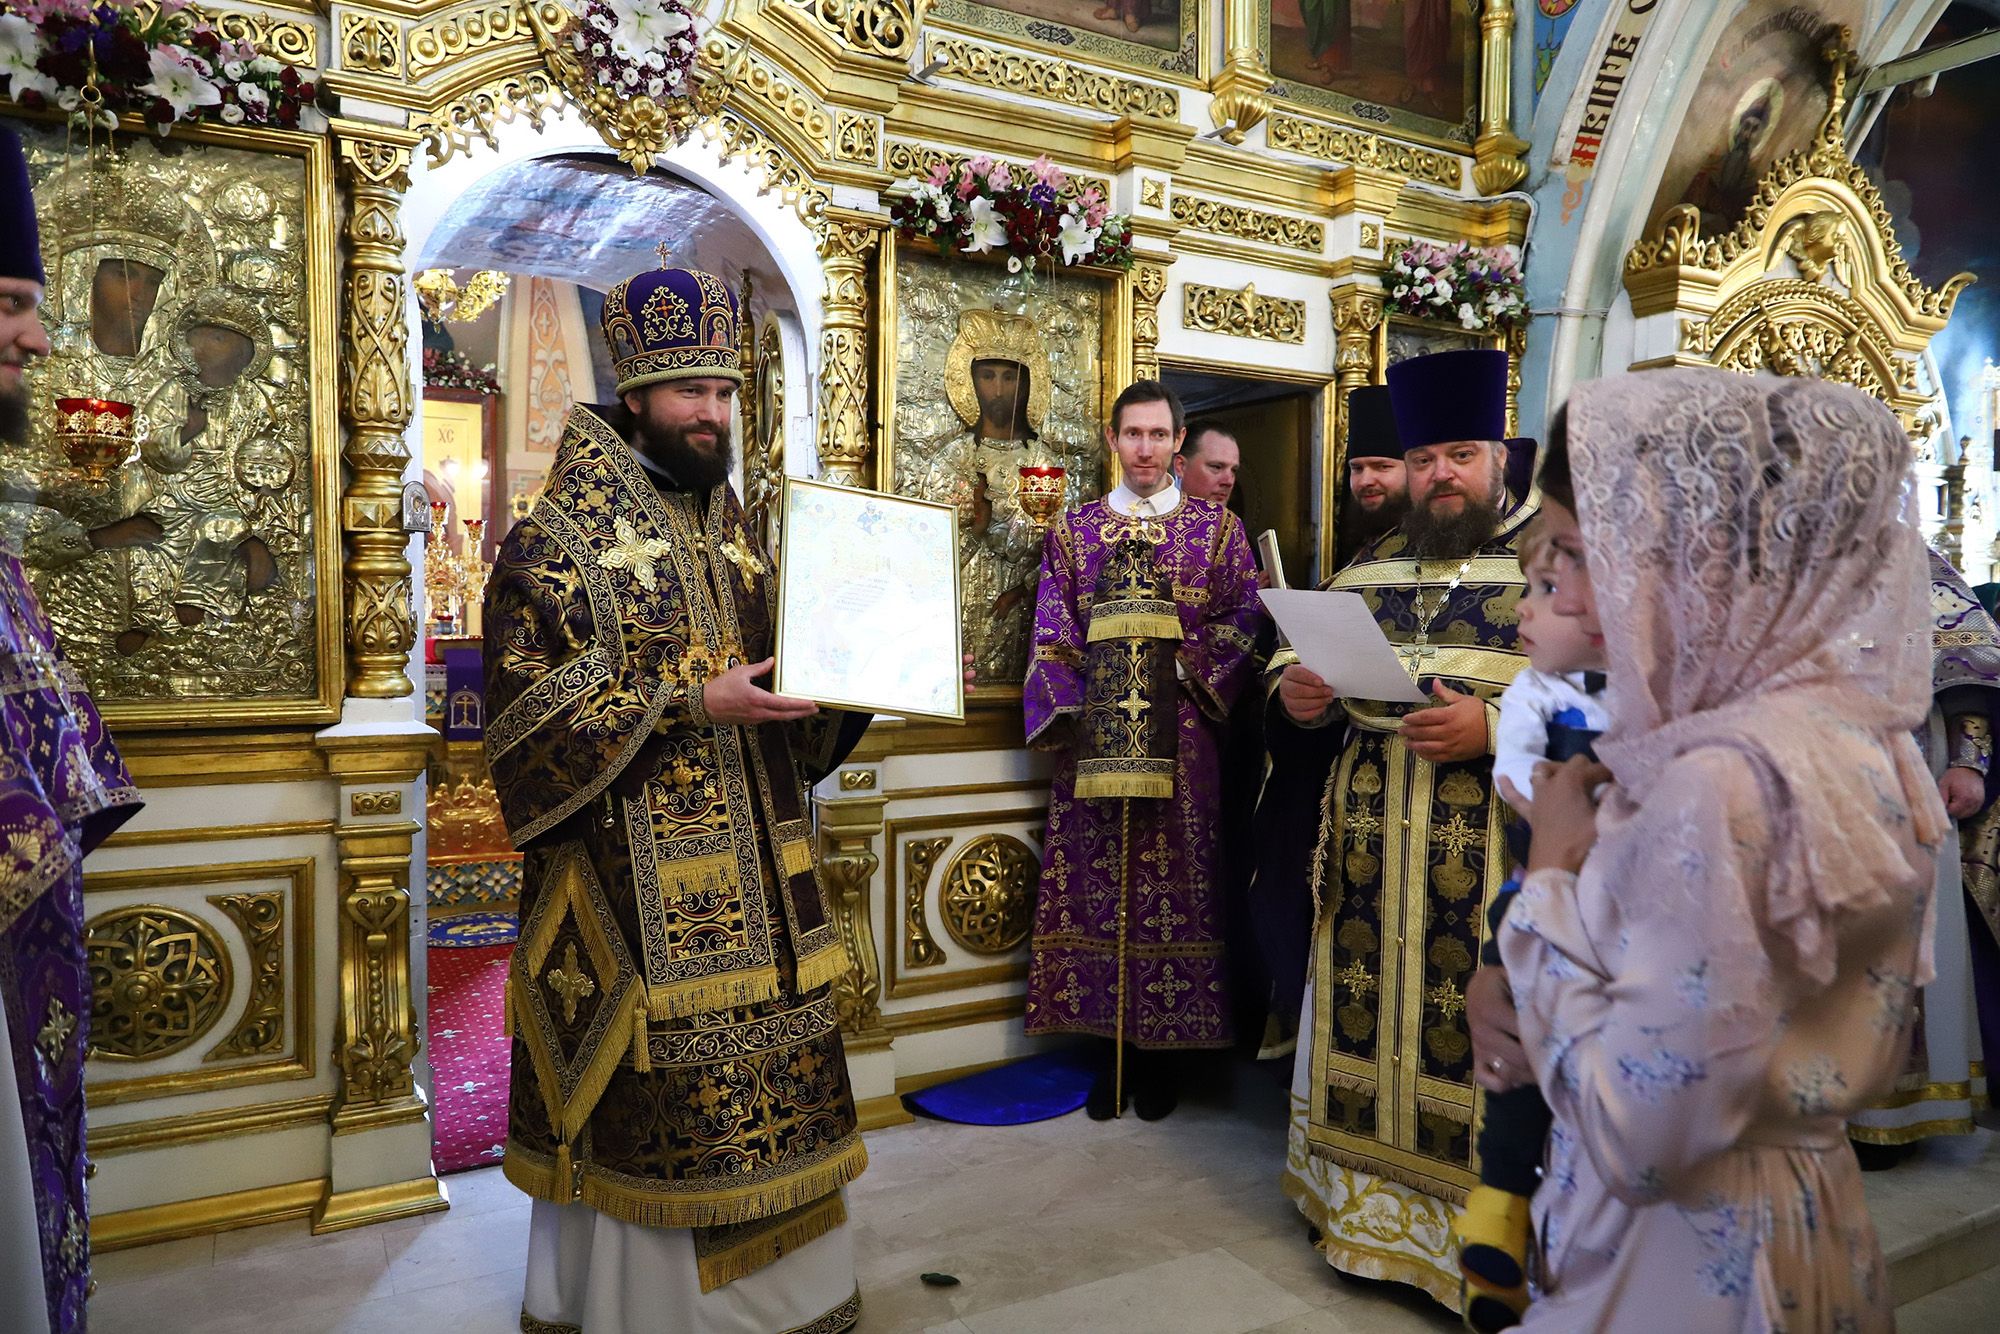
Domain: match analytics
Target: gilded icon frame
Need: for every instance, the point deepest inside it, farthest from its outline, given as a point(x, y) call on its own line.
point(314, 224)
point(1376, 118)
point(1190, 65)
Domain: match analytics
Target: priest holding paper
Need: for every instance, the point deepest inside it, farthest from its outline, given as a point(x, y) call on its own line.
point(679, 1109)
point(1145, 622)
point(1411, 842)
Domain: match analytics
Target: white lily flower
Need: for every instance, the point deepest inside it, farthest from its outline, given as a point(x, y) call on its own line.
point(1443, 287)
point(644, 26)
point(1467, 316)
point(988, 230)
point(178, 85)
point(1078, 238)
point(20, 48)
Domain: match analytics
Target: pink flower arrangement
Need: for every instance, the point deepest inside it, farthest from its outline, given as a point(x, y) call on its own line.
point(1028, 214)
point(636, 48)
point(1479, 289)
point(165, 67)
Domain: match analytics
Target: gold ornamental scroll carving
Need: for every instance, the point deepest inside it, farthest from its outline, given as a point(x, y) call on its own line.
point(846, 445)
point(1854, 313)
point(375, 1036)
point(1243, 314)
point(1149, 284)
point(194, 279)
point(987, 901)
point(261, 919)
point(159, 980)
point(1357, 354)
point(920, 857)
point(1332, 143)
point(1248, 224)
point(886, 28)
point(376, 400)
point(850, 826)
point(1052, 80)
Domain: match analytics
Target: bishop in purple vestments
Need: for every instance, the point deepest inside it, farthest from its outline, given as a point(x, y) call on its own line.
point(1144, 625)
point(62, 789)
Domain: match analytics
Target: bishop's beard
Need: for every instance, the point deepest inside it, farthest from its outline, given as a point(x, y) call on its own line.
point(1451, 537)
point(697, 469)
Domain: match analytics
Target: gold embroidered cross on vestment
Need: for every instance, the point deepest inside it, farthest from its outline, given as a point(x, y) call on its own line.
point(571, 983)
point(738, 552)
point(631, 552)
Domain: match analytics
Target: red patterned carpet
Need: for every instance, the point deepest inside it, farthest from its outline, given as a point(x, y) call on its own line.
point(469, 1053)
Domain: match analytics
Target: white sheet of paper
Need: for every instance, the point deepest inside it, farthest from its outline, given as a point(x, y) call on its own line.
point(1335, 636)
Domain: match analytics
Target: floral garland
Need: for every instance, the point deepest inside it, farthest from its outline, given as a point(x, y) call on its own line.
point(636, 47)
point(454, 370)
point(97, 61)
point(984, 206)
point(1480, 288)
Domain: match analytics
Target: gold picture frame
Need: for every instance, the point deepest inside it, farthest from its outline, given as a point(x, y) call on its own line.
point(251, 252)
point(902, 431)
point(1189, 64)
point(895, 533)
point(1400, 122)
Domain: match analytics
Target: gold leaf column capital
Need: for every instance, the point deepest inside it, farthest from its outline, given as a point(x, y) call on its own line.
point(1497, 163)
point(375, 399)
point(1240, 89)
point(846, 443)
point(1149, 284)
point(850, 826)
point(375, 1040)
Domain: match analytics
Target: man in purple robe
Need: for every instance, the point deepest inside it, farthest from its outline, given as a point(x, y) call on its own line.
point(1145, 622)
point(62, 789)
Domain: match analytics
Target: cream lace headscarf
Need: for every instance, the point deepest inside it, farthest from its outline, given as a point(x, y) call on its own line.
point(1762, 586)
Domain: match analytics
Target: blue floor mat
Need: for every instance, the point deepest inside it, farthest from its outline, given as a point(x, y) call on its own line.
point(1040, 1088)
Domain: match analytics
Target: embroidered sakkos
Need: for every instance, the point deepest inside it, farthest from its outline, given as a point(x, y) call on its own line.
point(677, 1057)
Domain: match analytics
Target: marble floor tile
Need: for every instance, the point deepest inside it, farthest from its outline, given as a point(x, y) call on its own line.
point(344, 1269)
point(143, 1262)
point(1969, 1306)
point(1213, 1292)
point(453, 1249)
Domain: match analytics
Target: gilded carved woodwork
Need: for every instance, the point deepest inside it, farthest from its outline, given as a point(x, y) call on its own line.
point(1052, 80)
point(987, 901)
point(1248, 224)
point(1149, 284)
point(849, 827)
point(453, 125)
point(792, 104)
point(159, 980)
point(1153, 191)
point(1244, 313)
point(460, 33)
point(375, 1040)
point(1334, 143)
point(1854, 313)
point(370, 44)
point(886, 28)
point(846, 442)
point(637, 127)
point(294, 41)
point(858, 139)
point(1497, 152)
point(260, 917)
point(918, 160)
point(735, 136)
point(376, 399)
point(1241, 90)
point(920, 857)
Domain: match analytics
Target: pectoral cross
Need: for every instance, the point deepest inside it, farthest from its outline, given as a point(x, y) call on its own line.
point(1416, 655)
point(571, 983)
point(631, 552)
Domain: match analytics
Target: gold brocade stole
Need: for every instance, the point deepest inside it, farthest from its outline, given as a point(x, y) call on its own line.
point(1130, 719)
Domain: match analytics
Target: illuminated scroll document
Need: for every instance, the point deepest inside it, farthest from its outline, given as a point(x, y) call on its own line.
point(868, 602)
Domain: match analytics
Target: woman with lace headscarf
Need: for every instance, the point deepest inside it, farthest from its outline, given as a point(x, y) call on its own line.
point(1715, 966)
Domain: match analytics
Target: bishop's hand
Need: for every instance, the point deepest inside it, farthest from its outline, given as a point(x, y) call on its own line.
point(1305, 694)
point(735, 699)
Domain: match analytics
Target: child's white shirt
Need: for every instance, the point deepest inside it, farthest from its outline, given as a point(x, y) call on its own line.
point(1521, 739)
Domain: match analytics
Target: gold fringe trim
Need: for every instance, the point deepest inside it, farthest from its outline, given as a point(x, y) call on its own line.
point(738, 1204)
point(537, 1180)
point(1134, 625)
point(822, 966)
point(1437, 1189)
point(763, 1248)
point(569, 1116)
point(1951, 1125)
point(684, 877)
point(730, 991)
point(642, 1060)
point(795, 857)
point(1124, 785)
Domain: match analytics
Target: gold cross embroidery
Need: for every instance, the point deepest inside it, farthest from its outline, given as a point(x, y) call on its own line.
point(1448, 999)
point(631, 552)
point(739, 553)
point(1359, 982)
point(1455, 835)
point(570, 983)
point(54, 1037)
point(1133, 705)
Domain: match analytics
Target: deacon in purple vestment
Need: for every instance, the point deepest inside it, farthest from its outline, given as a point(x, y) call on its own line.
point(1144, 625)
point(62, 789)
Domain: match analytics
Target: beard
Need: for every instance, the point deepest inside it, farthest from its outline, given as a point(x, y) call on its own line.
point(670, 449)
point(1455, 536)
point(14, 415)
point(1359, 525)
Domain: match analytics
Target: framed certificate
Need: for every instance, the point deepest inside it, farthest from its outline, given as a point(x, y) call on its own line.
point(868, 602)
